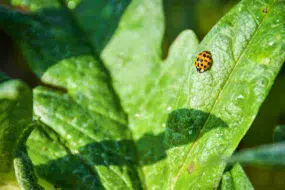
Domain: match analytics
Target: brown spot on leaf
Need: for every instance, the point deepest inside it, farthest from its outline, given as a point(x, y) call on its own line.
point(191, 168)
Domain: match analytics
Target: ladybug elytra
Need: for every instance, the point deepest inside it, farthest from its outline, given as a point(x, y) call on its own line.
point(203, 61)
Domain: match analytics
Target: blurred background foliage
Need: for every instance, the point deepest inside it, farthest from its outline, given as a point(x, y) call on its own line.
point(199, 16)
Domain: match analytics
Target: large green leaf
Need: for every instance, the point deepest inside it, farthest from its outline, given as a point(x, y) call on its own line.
point(134, 53)
point(148, 124)
point(49, 105)
point(85, 141)
point(84, 137)
point(248, 51)
point(238, 65)
point(15, 127)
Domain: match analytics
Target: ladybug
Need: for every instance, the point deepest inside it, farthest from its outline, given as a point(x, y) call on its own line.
point(203, 61)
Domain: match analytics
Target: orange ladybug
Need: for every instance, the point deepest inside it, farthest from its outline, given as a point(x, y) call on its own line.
point(203, 61)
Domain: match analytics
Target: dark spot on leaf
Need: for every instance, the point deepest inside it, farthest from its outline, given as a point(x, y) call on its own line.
point(264, 10)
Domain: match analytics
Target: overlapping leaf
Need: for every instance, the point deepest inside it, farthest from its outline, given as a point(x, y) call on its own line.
point(248, 52)
point(82, 120)
point(279, 133)
point(235, 179)
point(86, 125)
point(273, 155)
point(15, 127)
point(134, 53)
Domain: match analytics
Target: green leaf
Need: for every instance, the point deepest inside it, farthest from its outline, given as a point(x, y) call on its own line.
point(135, 51)
point(185, 45)
point(83, 136)
point(236, 179)
point(15, 127)
point(99, 27)
point(240, 179)
point(273, 154)
point(248, 51)
point(222, 102)
point(16, 115)
point(279, 133)
point(24, 168)
point(227, 182)
point(133, 55)
point(61, 40)
point(35, 5)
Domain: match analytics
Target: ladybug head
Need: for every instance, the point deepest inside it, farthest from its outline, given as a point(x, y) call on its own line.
point(200, 70)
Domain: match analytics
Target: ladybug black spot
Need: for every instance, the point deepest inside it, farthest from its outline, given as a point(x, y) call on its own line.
point(204, 55)
point(205, 66)
point(202, 64)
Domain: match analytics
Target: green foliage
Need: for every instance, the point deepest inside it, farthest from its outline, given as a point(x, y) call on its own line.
point(16, 115)
point(264, 155)
point(24, 168)
point(273, 154)
point(3, 77)
point(235, 179)
point(168, 127)
point(15, 128)
point(279, 133)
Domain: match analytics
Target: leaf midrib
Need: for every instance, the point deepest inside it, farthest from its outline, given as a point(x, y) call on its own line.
point(225, 84)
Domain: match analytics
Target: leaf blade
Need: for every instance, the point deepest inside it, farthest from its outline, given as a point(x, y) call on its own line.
point(15, 127)
point(87, 89)
point(221, 97)
point(263, 155)
point(279, 133)
point(240, 179)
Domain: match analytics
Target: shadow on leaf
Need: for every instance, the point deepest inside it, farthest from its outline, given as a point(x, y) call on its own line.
point(183, 127)
point(51, 35)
